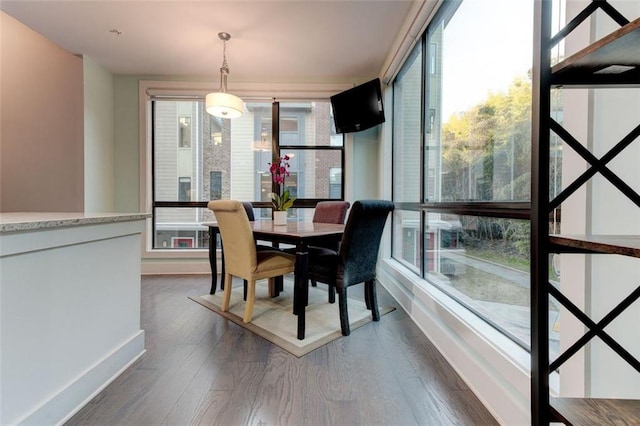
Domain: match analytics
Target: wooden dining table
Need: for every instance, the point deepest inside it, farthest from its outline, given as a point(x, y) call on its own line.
point(301, 234)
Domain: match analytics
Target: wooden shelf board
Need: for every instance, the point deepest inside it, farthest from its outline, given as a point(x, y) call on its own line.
point(627, 245)
point(595, 411)
point(621, 48)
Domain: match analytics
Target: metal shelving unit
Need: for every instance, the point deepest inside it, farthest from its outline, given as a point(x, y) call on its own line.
point(613, 61)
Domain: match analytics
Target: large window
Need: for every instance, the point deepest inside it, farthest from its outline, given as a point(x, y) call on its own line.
point(462, 125)
point(406, 160)
point(198, 157)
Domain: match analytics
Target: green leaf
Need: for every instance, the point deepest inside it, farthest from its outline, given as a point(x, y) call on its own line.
point(282, 203)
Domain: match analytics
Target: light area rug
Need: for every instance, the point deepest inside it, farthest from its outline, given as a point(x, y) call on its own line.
point(273, 318)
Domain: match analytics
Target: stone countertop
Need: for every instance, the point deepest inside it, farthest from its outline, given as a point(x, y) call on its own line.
point(29, 221)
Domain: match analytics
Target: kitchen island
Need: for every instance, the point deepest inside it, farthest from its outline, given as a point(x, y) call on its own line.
point(69, 310)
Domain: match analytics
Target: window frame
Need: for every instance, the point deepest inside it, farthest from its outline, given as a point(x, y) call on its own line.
point(492, 209)
point(175, 90)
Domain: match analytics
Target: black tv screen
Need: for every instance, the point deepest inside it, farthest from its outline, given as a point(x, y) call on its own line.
point(358, 108)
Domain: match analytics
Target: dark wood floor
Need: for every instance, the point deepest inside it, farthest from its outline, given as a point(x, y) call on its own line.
point(202, 369)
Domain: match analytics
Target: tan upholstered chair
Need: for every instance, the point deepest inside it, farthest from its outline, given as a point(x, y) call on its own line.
point(241, 258)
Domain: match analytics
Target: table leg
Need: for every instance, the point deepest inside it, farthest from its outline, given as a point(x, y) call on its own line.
point(301, 289)
point(222, 266)
point(213, 248)
point(279, 281)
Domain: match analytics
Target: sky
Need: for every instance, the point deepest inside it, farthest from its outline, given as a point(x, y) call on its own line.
point(487, 44)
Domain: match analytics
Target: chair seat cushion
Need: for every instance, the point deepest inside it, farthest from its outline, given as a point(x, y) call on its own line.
point(261, 247)
point(272, 260)
point(313, 251)
point(323, 264)
point(322, 252)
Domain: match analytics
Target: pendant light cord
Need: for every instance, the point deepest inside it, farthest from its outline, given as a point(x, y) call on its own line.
point(224, 69)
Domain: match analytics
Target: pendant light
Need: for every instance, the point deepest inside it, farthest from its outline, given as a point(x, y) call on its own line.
point(222, 104)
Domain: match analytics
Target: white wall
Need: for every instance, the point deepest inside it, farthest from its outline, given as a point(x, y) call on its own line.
point(612, 278)
point(57, 127)
point(99, 164)
point(126, 148)
point(362, 166)
point(41, 125)
point(599, 118)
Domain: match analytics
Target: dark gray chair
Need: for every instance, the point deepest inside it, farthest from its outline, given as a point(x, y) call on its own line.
point(327, 212)
point(330, 212)
point(356, 259)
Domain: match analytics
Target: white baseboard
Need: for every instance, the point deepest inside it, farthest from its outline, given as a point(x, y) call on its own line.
point(70, 399)
point(177, 266)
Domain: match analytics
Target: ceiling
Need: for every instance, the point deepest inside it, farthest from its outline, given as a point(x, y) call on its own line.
point(288, 41)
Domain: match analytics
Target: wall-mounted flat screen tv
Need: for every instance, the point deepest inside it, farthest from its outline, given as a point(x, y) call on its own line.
point(358, 108)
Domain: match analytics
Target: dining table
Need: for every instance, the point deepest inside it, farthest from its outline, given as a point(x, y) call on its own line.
point(302, 235)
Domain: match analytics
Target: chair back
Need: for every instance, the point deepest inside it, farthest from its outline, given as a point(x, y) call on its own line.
point(248, 207)
point(331, 211)
point(361, 240)
point(237, 237)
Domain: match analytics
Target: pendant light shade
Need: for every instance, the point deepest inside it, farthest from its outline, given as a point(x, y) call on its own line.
point(222, 104)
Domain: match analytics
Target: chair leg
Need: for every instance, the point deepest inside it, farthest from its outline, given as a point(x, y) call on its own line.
point(272, 286)
point(314, 283)
point(332, 293)
point(344, 314)
point(244, 291)
point(251, 298)
point(226, 298)
point(371, 297)
point(367, 297)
